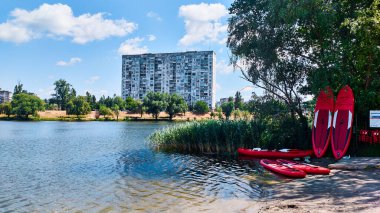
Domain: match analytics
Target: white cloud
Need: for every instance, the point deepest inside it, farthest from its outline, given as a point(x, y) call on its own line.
point(151, 37)
point(71, 62)
point(222, 67)
point(154, 15)
point(58, 20)
point(92, 79)
point(203, 23)
point(132, 46)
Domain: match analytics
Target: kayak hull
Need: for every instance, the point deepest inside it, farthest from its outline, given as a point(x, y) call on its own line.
point(342, 122)
point(321, 128)
point(307, 168)
point(277, 167)
point(295, 153)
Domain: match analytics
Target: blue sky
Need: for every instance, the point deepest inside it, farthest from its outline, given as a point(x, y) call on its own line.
point(82, 41)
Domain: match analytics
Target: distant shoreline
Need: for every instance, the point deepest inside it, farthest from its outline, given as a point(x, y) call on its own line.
point(55, 115)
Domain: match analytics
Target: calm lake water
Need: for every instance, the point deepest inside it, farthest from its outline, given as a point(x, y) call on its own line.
point(107, 166)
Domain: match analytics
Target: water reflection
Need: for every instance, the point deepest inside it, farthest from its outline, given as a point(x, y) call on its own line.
point(100, 166)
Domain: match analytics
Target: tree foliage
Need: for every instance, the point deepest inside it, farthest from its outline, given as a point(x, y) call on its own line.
point(238, 102)
point(91, 99)
point(227, 109)
point(24, 104)
point(78, 106)
point(6, 108)
point(155, 102)
point(201, 107)
point(64, 92)
point(290, 48)
point(19, 89)
point(116, 111)
point(132, 105)
point(176, 104)
point(105, 111)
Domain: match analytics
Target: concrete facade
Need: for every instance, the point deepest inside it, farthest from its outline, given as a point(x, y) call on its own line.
point(5, 96)
point(189, 74)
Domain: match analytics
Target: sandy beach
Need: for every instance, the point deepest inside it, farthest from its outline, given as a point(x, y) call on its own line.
point(341, 191)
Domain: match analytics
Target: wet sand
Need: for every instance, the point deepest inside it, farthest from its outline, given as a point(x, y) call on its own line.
point(341, 191)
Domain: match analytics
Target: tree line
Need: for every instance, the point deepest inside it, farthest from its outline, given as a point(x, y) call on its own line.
point(25, 104)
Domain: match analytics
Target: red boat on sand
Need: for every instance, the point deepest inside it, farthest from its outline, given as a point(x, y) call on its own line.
point(308, 168)
point(277, 167)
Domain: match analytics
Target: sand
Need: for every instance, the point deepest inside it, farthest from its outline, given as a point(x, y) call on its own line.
point(341, 191)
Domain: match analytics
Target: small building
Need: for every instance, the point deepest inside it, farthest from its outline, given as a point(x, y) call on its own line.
point(5, 96)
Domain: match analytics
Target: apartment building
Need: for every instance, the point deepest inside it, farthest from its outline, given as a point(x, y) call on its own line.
point(189, 74)
point(5, 96)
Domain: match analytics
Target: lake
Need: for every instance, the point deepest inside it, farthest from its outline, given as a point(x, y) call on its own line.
point(109, 167)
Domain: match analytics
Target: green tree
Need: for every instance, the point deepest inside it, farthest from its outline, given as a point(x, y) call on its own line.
point(91, 99)
point(132, 105)
point(6, 108)
point(63, 93)
point(176, 104)
point(155, 102)
point(319, 42)
point(141, 107)
point(116, 111)
point(268, 43)
point(227, 109)
point(238, 102)
point(117, 100)
point(105, 111)
point(19, 89)
point(78, 106)
point(201, 108)
point(24, 104)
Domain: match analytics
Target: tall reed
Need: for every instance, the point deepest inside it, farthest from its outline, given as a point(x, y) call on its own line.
point(224, 137)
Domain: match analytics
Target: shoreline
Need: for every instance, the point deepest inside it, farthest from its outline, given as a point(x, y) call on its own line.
point(341, 191)
point(55, 115)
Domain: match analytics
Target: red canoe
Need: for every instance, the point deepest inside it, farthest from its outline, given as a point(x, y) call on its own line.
point(308, 168)
point(342, 122)
point(277, 167)
point(321, 130)
point(291, 153)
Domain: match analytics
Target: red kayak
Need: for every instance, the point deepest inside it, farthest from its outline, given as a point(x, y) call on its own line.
point(277, 167)
point(291, 153)
point(308, 168)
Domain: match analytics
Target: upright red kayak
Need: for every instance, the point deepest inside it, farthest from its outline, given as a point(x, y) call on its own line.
point(277, 167)
point(308, 168)
point(291, 153)
point(323, 114)
point(342, 122)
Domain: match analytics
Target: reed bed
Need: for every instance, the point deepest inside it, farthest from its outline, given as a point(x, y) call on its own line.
point(224, 137)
